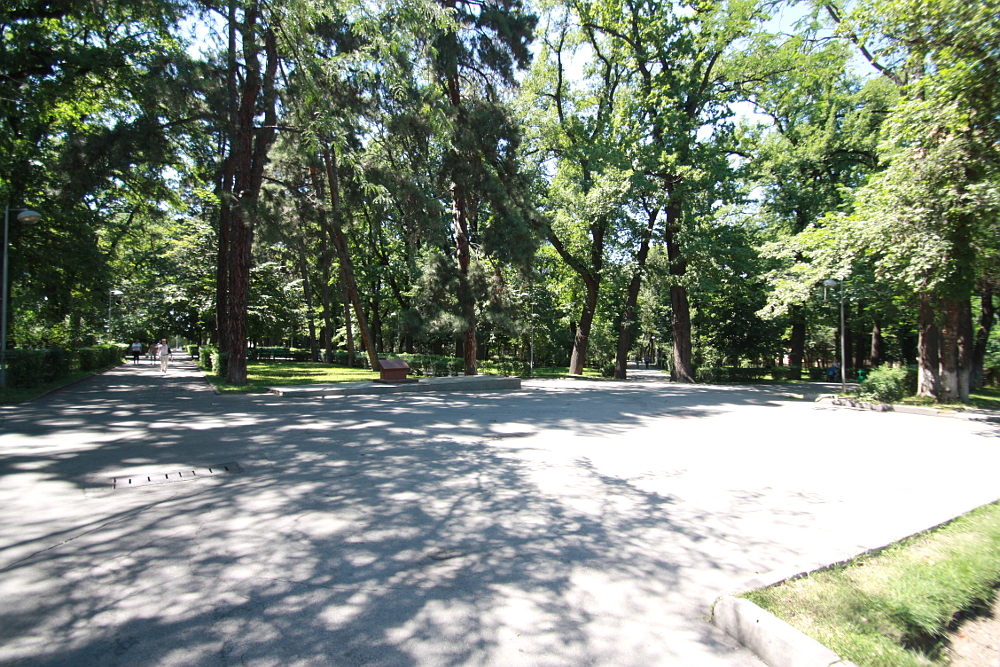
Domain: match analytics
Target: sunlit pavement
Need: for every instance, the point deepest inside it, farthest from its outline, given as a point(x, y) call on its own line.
point(569, 523)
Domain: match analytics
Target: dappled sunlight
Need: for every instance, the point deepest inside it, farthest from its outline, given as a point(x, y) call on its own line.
point(577, 525)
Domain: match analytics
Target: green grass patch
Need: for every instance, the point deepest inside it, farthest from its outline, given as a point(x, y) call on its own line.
point(893, 608)
point(263, 374)
point(563, 371)
point(987, 398)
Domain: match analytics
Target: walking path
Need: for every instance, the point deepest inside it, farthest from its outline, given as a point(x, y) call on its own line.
point(569, 523)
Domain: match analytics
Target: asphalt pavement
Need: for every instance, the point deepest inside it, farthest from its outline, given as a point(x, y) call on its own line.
point(145, 520)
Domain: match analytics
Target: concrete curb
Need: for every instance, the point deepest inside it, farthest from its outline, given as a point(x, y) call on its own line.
point(836, 401)
point(771, 639)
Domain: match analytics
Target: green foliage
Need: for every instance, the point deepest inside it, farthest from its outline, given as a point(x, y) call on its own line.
point(205, 355)
point(33, 367)
point(884, 385)
point(220, 362)
point(100, 356)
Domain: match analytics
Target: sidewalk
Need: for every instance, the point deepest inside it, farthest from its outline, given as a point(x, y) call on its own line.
point(570, 523)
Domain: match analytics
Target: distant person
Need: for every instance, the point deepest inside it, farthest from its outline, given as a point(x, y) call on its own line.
point(833, 372)
point(646, 361)
point(164, 353)
point(136, 351)
point(154, 353)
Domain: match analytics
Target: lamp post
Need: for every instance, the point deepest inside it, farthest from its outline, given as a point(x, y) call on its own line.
point(531, 345)
point(26, 216)
point(830, 282)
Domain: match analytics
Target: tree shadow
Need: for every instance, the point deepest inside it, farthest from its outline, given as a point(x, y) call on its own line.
point(397, 530)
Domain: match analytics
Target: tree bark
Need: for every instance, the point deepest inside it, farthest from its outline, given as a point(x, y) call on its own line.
point(325, 261)
point(797, 344)
point(950, 390)
point(987, 314)
point(581, 337)
point(339, 240)
point(307, 294)
point(928, 377)
point(680, 320)
point(348, 324)
point(877, 347)
point(466, 299)
point(249, 153)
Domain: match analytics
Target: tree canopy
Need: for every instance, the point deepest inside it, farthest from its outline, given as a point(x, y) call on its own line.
point(582, 182)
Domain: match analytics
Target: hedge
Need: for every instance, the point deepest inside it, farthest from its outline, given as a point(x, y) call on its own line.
point(28, 368)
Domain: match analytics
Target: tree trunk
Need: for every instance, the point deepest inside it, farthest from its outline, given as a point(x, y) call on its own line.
point(307, 293)
point(680, 324)
point(325, 260)
point(339, 240)
point(632, 298)
point(680, 321)
point(797, 344)
point(987, 313)
point(956, 353)
point(466, 299)
point(877, 347)
point(249, 154)
point(928, 377)
point(348, 324)
point(581, 337)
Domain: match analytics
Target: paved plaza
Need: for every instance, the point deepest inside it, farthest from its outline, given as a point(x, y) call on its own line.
point(145, 520)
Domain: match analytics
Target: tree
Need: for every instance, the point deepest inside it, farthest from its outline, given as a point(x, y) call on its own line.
point(472, 60)
point(585, 196)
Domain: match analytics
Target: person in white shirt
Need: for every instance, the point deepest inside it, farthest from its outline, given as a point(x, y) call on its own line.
point(164, 352)
point(136, 351)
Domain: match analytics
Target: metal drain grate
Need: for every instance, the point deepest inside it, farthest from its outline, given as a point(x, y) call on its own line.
point(142, 479)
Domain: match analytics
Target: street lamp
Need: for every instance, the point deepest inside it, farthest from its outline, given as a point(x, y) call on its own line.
point(531, 346)
point(25, 216)
point(112, 293)
point(830, 282)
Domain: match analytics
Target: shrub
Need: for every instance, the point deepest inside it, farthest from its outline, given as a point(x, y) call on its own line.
point(817, 374)
point(783, 373)
point(205, 353)
point(884, 385)
point(97, 357)
point(608, 370)
point(710, 374)
point(192, 350)
point(25, 368)
point(220, 363)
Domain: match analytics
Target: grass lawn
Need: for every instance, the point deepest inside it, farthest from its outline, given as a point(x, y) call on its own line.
point(563, 371)
point(987, 398)
point(263, 374)
point(893, 608)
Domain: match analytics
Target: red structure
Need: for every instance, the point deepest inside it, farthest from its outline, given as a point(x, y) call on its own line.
point(393, 371)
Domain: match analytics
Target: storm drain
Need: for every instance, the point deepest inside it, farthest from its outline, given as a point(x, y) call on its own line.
point(145, 479)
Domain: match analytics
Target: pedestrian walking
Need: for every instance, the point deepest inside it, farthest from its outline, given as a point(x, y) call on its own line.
point(164, 352)
point(136, 351)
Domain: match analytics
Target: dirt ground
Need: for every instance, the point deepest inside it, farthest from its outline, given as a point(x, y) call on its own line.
point(976, 643)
